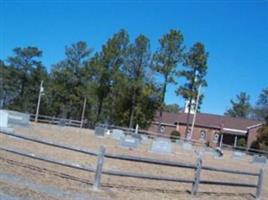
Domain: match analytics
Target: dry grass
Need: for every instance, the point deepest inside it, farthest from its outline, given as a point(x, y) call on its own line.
point(118, 187)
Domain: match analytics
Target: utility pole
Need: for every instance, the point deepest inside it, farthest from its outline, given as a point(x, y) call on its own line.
point(41, 90)
point(195, 110)
point(83, 113)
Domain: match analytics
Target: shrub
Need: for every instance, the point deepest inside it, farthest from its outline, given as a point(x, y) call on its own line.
point(241, 142)
point(174, 135)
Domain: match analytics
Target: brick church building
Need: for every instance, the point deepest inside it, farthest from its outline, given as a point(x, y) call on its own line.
point(209, 128)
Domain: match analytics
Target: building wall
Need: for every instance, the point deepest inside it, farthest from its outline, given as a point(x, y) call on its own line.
point(210, 132)
point(252, 136)
point(167, 129)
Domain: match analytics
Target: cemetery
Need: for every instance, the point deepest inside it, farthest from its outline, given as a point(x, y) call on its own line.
point(132, 168)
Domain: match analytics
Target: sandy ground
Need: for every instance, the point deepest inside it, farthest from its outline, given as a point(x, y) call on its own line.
point(25, 178)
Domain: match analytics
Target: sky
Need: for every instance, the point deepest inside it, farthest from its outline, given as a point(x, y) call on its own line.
point(235, 34)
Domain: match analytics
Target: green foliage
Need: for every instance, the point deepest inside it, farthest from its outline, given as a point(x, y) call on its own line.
point(260, 111)
point(67, 82)
point(172, 108)
point(118, 82)
point(136, 64)
point(195, 61)
point(240, 107)
point(195, 72)
point(167, 58)
point(24, 73)
point(241, 142)
point(174, 135)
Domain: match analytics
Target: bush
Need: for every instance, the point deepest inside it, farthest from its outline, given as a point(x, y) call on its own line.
point(241, 142)
point(175, 135)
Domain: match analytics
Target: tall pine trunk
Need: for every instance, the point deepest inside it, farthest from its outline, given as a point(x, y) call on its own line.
point(99, 109)
point(132, 112)
point(162, 104)
point(190, 103)
point(188, 116)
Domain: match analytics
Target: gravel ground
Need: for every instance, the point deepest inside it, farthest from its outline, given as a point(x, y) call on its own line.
point(39, 180)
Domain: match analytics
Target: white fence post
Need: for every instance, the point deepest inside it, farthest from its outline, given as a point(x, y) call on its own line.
point(100, 161)
point(259, 186)
point(197, 175)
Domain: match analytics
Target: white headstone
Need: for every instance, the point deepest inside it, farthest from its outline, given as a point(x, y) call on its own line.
point(3, 119)
point(258, 159)
point(144, 139)
point(18, 118)
point(117, 134)
point(129, 142)
point(186, 146)
point(238, 155)
point(100, 131)
point(161, 145)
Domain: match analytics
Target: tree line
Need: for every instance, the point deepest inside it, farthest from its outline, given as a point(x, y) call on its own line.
point(124, 83)
point(241, 106)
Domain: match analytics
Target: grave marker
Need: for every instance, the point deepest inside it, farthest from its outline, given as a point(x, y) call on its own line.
point(259, 159)
point(186, 146)
point(100, 131)
point(161, 145)
point(144, 139)
point(117, 134)
point(62, 122)
point(18, 118)
point(4, 122)
point(137, 136)
point(129, 142)
point(3, 119)
point(238, 155)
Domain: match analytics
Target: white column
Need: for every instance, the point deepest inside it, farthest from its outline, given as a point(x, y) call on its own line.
point(221, 140)
point(235, 141)
point(38, 103)
point(196, 107)
point(83, 112)
point(137, 129)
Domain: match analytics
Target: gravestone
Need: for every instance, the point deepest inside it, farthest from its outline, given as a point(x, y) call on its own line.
point(18, 118)
point(117, 134)
point(100, 131)
point(186, 146)
point(129, 142)
point(62, 122)
point(3, 119)
point(4, 122)
point(144, 139)
point(161, 145)
point(237, 155)
point(179, 142)
point(137, 136)
point(259, 159)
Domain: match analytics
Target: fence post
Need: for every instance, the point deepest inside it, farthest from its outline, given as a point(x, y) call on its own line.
point(197, 175)
point(100, 161)
point(259, 186)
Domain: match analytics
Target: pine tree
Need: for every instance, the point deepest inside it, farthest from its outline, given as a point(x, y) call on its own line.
point(239, 107)
point(166, 60)
point(28, 73)
point(67, 88)
point(137, 62)
point(195, 72)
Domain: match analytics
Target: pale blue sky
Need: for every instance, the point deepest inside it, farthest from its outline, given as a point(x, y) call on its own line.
point(235, 34)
